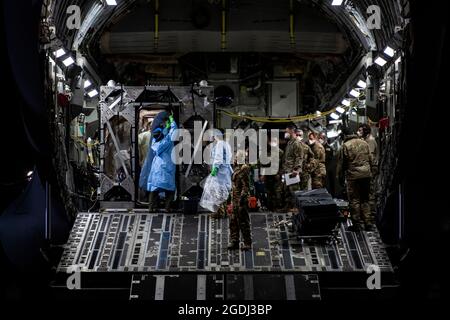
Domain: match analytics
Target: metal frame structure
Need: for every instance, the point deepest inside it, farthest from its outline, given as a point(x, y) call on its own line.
point(122, 101)
point(122, 106)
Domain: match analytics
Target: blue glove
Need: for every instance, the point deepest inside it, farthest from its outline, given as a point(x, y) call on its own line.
point(214, 171)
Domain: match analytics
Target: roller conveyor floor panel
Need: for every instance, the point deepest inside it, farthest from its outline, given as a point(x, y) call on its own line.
point(137, 255)
point(137, 241)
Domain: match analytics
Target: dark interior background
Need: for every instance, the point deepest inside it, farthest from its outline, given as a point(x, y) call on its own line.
point(423, 164)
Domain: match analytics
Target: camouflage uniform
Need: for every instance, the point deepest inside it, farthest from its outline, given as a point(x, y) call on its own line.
point(222, 211)
point(274, 186)
point(308, 163)
point(355, 161)
point(293, 161)
point(330, 169)
point(373, 147)
point(319, 173)
point(240, 220)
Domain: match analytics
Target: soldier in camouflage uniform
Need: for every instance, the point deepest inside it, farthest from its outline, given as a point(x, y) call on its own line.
point(240, 220)
point(273, 183)
point(308, 162)
point(319, 172)
point(365, 132)
point(355, 162)
point(329, 166)
point(292, 164)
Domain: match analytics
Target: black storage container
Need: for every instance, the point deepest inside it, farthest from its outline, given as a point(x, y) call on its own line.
point(316, 193)
point(318, 213)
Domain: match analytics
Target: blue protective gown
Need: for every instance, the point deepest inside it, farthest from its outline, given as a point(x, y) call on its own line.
point(147, 166)
point(162, 173)
point(221, 158)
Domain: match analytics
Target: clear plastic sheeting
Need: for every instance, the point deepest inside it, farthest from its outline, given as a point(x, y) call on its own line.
point(214, 194)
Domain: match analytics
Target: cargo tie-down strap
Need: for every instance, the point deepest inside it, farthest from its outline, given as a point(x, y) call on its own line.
point(278, 120)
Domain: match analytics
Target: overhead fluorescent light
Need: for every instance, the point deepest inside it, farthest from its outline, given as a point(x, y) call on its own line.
point(335, 122)
point(87, 84)
point(380, 61)
point(92, 93)
point(389, 52)
point(354, 93)
point(59, 53)
point(346, 103)
point(337, 2)
point(29, 174)
point(334, 116)
point(69, 61)
point(340, 110)
point(362, 84)
point(111, 2)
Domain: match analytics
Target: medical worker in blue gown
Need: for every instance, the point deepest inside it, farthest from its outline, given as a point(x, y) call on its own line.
point(159, 121)
point(162, 172)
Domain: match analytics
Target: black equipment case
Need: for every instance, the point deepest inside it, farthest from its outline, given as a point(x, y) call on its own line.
point(318, 214)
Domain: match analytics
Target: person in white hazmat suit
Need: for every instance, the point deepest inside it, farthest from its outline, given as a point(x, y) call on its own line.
point(218, 185)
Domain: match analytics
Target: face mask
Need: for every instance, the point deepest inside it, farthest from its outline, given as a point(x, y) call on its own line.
point(287, 136)
point(321, 141)
point(359, 133)
point(312, 141)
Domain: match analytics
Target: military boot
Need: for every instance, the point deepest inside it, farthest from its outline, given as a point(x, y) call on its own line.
point(152, 198)
point(169, 200)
